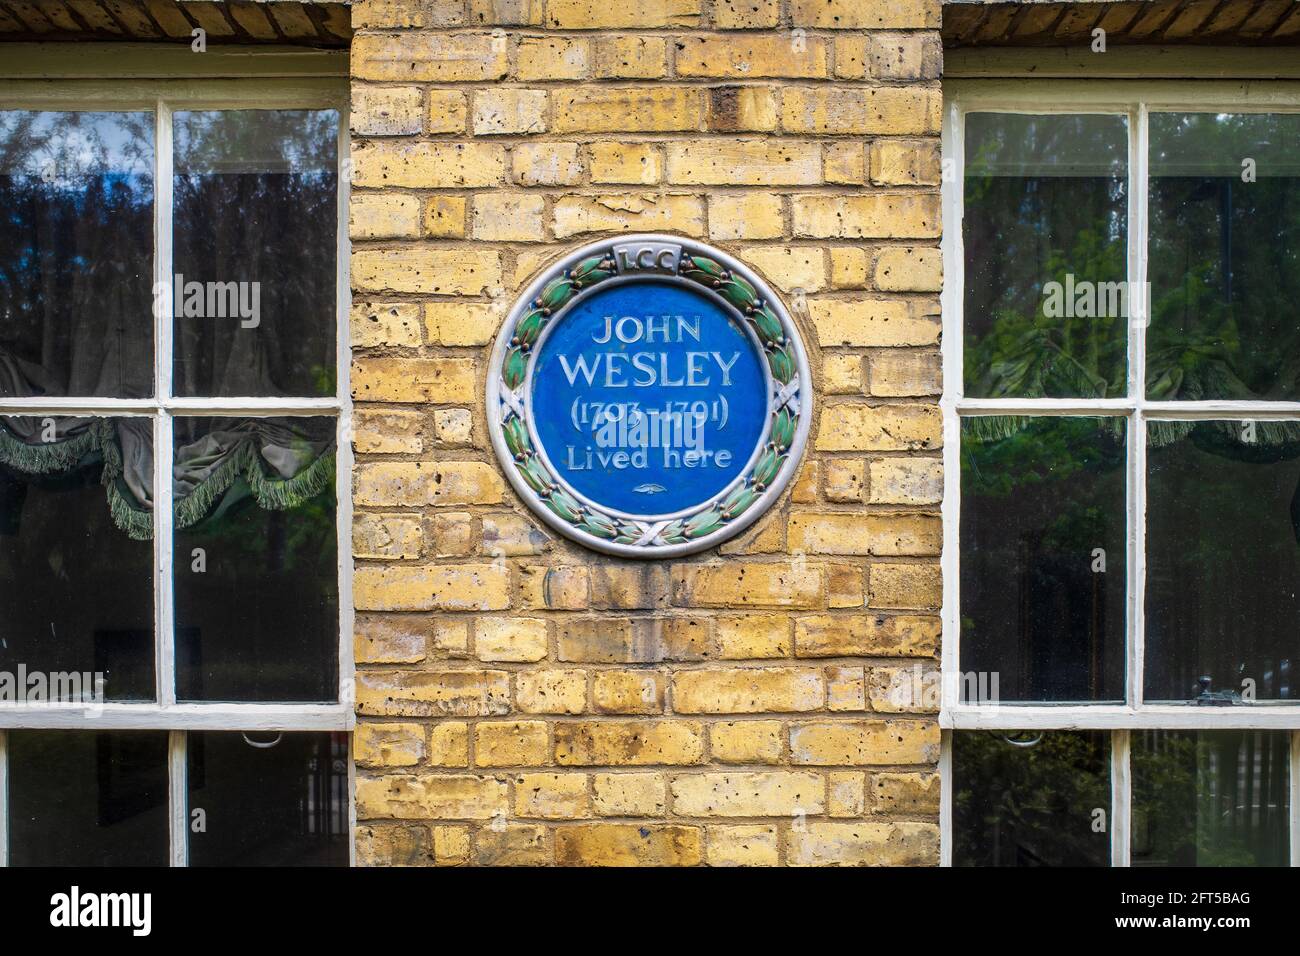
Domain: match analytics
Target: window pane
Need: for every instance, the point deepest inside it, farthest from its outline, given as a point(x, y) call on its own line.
point(256, 575)
point(76, 558)
point(1224, 256)
point(1223, 562)
point(1045, 233)
point(269, 799)
point(1210, 798)
point(1042, 558)
point(255, 252)
point(87, 798)
point(76, 254)
point(1031, 799)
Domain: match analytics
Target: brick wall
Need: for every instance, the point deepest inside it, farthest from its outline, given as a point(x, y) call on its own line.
point(522, 700)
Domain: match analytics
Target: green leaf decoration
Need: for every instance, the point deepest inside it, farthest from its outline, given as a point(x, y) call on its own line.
point(769, 327)
point(782, 365)
point(534, 473)
point(704, 523)
point(598, 525)
point(783, 428)
point(565, 505)
point(514, 368)
point(515, 433)
point(702, 270)
point(557, 293)
point(769, 463)
point(738, 501)
point(530, 328)
point(589, 271)
point(739, 293)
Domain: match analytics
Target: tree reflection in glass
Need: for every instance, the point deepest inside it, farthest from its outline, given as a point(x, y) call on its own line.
point(256, 206)
point(76, 254)
point(1045, 230)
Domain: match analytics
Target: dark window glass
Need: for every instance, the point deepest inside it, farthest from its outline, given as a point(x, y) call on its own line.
point(1210, 798)
point(1042, 558)
point(268, 799)
point(1224, 256)
point(255, 234)
point(76, 254)
point(76, 585)
point(256, 572)
point(1031, 799)
point(1045, 233)
point(88, 798)
point(1223, 560)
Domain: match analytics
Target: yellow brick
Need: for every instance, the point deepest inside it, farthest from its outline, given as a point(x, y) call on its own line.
point(845, 479)
point(744, 162)
point(848, 267)
point(449, 744)
point(621, 844)
point(448, 111)
point(421, 269)
point(638, 14)
point(627, 692)
point(385, 14)
point(508, 111)
point(846, 163)
point(882, 428)
point(385, 323)
point(426, 165)
point(511, 844)
point(746, 741)
point(911, 689)
point(546, 164)
point(461, 323)
point(450, 846)
point(469, 587)
point(515, 639)
point(640, 109)
point(858, 216)
point(551, 691)
point(845, 586)
point(629, 586)
point(906, 586)
point(387, 537)
point(855, 743)
point(752, 215)
point(388, 432)
point(629, 794)
point(743, 584)
point(447, 693)
point(440, 797)
point(451, 535)
point(386, 110)
point(504, 12)
point(513, 535)
point(444, 217)
point(751, 56)
point(761, 793)
point(789, 267)
point(856, 15)
point(742, 109)
point(631, 163)
point(753, 636)
point(874, 322)
point(429, 57)
point(895, 373)
point(746, 14)
point(388, 639)
point(514, 743)
point(393, 846)
point(508, 217)
point(846, 689)
point(751, 845)
point(377, 379)
point(388, 745)
point(852, 533)
point(845, 793)
point(905, 163)
point(909, 269)
point(842, 374)
point(643, 212)
point(906, 481)
point(383, 216)
point(631, 57)
point(748, 690)
point(552, 796)
point(552, 58)
point(850, 110)
point(558, 588)
point(895, 792)
point(864, 844)
point(628, 743)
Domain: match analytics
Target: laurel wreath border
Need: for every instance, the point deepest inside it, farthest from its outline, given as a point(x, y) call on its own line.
point(732, 289)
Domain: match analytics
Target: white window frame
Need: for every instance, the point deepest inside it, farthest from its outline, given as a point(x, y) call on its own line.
point(1134, 99)
point(163, 80)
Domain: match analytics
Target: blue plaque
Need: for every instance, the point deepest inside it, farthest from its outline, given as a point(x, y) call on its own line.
point(648, 396)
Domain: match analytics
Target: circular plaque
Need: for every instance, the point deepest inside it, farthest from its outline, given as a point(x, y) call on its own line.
point(648, 396)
